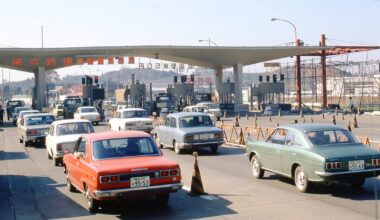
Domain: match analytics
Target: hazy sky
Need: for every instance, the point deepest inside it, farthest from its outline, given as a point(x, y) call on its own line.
point(69, 23)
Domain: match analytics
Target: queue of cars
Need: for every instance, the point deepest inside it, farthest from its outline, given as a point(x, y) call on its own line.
point(127, 162)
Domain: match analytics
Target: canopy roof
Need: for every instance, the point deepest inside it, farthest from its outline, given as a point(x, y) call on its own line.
point(211, 57)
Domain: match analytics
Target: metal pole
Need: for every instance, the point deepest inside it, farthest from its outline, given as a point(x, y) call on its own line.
point(298, 78)
point(42, 36)
point(324, 79)
point(2, 85)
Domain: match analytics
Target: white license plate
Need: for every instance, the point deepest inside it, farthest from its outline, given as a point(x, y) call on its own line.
point(141, 181)
point(356, 165)
point(204, 136)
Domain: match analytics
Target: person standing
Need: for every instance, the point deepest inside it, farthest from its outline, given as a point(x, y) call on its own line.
point(2, 113)
point(351, 105)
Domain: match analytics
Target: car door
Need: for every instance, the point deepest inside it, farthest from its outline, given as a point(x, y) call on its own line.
point(82, 163)
point(289, 151)
point(21, 130)
point(271, 150)
point(163, 131)
point(72, 165)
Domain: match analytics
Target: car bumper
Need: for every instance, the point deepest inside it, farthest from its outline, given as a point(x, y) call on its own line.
point(348, 175)
point(109, 194)
point(201, 144)
point(35, 138)
point(146, 129)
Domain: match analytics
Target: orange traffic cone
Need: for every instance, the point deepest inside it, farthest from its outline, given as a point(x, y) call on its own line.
point(196, 180)
point(241, 137)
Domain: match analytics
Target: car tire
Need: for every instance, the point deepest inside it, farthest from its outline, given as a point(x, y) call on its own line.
point(301, 180)
point(218, 118)
point(92, 204)
point(162, 199)
point(158, 141)
point(26, 143)
point(358, 183)
point(257, 170)
point(214, 149)
point(56, 161)
point(176, 147)
point(97, 123)
point(70, 186)
point(20, 140)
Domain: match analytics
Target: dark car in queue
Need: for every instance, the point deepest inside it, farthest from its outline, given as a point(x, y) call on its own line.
point(314, 153)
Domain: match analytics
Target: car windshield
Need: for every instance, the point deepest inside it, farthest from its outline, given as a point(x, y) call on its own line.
point(18, 110)
point(75, 128)
point(27, 112)
point(134, 114)
point(331, 137)
point(40, 120)
point(14, 103)
point(195, 121)
point(124, 147)
point(86, 110)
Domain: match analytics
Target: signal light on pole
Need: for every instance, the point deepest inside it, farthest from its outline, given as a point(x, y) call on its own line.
point(268, 78)
point(192, 78)
point(175, 79)
point(260, 78)
point(274, 78)
point(96, 79)
point(282, 77)
point(83, 80)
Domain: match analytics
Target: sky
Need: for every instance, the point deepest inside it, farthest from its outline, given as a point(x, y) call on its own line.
point(72, 23)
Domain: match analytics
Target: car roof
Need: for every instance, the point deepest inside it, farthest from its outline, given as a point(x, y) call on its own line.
point(66, 121)
point(130, 109)
point(104, 135)
point(20, 107)
point(31, 110)
point(86, 107)
point(184, 114)
point(307, 127)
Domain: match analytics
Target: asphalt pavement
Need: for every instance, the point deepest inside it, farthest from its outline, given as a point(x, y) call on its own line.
point(31, 187)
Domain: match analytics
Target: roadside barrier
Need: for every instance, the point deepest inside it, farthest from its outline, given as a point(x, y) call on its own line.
point(355, 122)
point(333, 120)
point(196, 180)
point(229, 129)
point(364, 140)
point(237, 121)
point(349, 126)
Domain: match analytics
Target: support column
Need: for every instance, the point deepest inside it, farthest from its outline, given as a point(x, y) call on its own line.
point(218, 73)
point(238, 82)
point(298, 78)
point(324, 75)
point(40, 88)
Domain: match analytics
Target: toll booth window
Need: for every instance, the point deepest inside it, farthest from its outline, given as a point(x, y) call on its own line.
point(39, 120)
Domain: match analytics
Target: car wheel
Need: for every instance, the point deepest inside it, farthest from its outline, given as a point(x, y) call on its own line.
point(358, 183)
point(176, 147)
point(20, 140)
point(214, 149)
point(301, 180)
point(26, 143)
point(97, 123)
point(162, 199)
point(218, 118)
point(49, 156)
point(56, 161)
point(92, 204)
point(70, 186)
point(158, 141)
point(257, 170)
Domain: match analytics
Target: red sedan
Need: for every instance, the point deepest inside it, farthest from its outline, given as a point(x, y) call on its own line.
point(112, 165)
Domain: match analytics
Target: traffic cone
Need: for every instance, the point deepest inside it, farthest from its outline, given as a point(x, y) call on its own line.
point(333, 120)
point(196, 180)
point(225, 114)
point(301, 113)
point(270, 118)
point(342, 116)
point(255, 116)
point(336, 110)
point(239, 115)
point(241, 137)
point(303, 120)
point(355, 122)
point(247, 116)
point(237, 121)
point(279, 113)
point(256, 123)
point(311, 120)
point(323, 115)
point(349, 126)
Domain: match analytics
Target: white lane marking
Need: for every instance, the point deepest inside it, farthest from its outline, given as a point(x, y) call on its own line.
point(186, 188)
point(209, 197)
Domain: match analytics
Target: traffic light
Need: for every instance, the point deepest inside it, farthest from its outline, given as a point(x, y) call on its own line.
point(96, 79)
point(88, 80)
point(175, 79)
point(260, 78)
point(282, 77)
point(268, 78)
point(83, 80)
point(274, 78)
point(192, 78)
point(183, 78)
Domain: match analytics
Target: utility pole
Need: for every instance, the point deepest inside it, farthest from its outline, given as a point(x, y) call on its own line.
point(298, 77)
point(324, 80)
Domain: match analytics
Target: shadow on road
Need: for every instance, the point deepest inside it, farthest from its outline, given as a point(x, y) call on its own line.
point(12, 155)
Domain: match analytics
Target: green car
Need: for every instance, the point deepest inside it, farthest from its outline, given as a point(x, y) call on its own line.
point(318, 153)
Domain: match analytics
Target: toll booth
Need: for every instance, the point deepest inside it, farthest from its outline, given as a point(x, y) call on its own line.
point(92, 91)
point(270, 93)
point(226, 96)
point(137, 94)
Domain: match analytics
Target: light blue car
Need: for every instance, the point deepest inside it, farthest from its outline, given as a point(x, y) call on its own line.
point(189, 130)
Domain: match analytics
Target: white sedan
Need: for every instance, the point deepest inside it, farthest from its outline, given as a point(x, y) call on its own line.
point(25, 112)
point(89, 113)
point(131, 119)
point(194, 108)
point(62, 137)
point(212, 108)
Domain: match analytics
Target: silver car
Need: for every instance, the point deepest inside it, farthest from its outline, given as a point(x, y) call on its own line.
point(189, 130)
point(34, 128)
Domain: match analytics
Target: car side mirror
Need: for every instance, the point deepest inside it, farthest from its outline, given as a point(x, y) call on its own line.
point(78, 155)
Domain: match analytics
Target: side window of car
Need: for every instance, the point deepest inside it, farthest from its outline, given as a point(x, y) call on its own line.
point(173, 123)
point(51, 130)
point(278, 137)
point(289, 138)
point(82, 146)
point(167, 122)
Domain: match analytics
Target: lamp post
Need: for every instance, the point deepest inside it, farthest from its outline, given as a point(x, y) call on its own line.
point(298, 62)
point(209, 42)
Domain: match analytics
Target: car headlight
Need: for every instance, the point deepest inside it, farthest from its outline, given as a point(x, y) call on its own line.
point(189, 138)
point(196, 137)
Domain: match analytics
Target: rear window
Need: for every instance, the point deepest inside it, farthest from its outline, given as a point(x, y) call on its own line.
point(124, 147)
point(331, 137)
point(40, 120)
point(75, 128)
point(86, 110)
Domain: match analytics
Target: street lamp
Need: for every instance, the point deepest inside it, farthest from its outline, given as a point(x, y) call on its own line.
point(295, 29)
point(209, 42)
